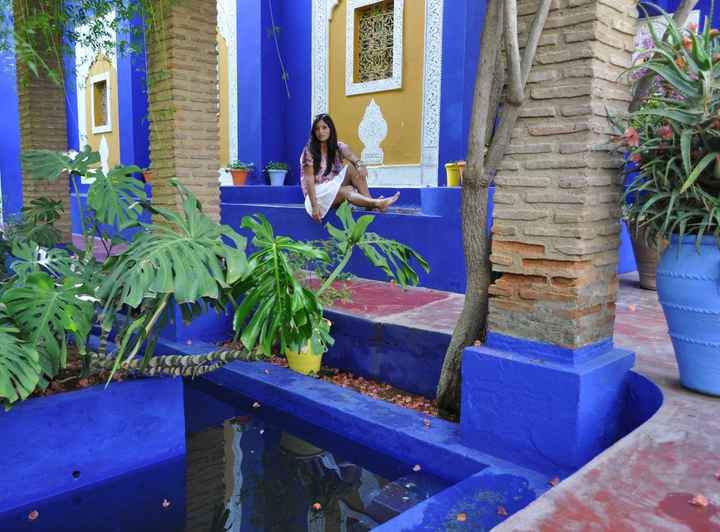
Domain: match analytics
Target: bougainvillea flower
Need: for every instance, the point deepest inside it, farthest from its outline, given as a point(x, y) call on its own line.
point(636, 157)
point(665, 132)
point(693, 27)
point(687, 43)
point(631, 137)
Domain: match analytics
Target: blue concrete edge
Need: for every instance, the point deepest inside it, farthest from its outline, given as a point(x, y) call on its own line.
point(100, 433)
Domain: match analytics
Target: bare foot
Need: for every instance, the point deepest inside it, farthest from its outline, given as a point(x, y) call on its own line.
point(384, 203)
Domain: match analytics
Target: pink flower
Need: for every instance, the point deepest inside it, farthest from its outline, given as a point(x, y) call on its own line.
point(665, 132)
point(631, 137)
point(636, 157)
point(693, 27)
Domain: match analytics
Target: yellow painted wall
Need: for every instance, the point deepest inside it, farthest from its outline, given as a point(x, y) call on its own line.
point(401, 108)
point(224, 114)
point(101, 66)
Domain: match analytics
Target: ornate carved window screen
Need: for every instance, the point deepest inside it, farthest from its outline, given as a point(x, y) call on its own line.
point(373, 46)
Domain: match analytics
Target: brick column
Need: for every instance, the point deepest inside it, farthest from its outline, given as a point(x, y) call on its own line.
point(552, 384)
point(41, 106)
point(556, 231)
point(183, 103)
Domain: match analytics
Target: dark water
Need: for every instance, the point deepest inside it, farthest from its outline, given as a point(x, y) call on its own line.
point(261, 471)
point(268, 478)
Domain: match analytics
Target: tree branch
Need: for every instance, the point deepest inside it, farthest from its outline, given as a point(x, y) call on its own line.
point(511, 110)
point(516, 87)
point(490, 45)
point(680, 17)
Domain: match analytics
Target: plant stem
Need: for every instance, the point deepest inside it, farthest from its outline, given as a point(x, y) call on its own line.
point(148, 327)
point(339, 268)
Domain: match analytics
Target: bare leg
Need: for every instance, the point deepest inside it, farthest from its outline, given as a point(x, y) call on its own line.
point(352, 177)
point(353, 196)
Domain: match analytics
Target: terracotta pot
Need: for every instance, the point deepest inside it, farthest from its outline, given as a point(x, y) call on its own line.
point(147, 176)
point(461, 167)
point(239, 176)
point(646, 258)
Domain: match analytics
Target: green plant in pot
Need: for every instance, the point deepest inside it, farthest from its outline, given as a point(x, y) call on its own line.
point(675, 192)
point(239, 171)
point(280, 310)
point(276, 173)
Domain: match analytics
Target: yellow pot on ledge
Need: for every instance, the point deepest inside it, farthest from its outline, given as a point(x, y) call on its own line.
point(306, 361)
point(452, 170)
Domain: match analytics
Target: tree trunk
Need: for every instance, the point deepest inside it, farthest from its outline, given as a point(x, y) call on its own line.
point(479, 173)
point(474, 312)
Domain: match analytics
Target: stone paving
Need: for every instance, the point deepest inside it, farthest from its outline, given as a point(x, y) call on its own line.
point(645, 481)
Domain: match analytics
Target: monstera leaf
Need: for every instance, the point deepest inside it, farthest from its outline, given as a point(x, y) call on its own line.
point(49, 165)
point(20, 369)
point(116, 197)
point(392, 257)
point(185, 256)
point(31, 258)
point(46, 311)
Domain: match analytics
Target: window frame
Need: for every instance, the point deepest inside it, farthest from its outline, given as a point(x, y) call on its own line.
point(107, 126)
point(393, 83)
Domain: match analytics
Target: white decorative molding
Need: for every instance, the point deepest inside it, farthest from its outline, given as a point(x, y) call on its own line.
point(84, 59)
point(104, 151)
point(373, 129)
point(392, 83)
point(319, 59)
point(331, 5)
point(425, 173)
point(227, 26)
point(432, 76)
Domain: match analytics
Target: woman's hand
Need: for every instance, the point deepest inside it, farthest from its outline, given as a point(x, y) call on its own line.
point(316, 215)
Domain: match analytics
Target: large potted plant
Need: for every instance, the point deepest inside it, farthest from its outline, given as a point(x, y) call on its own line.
point(675, 192)
point(279, 309)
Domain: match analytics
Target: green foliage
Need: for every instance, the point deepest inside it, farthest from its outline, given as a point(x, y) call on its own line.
point(274, 165)
point(117, 196)
point(36, 223)
point(19, 364)
point(240, 165)
point(275, 305)
point(674, 138)
point(31, 258)
point(46, 311)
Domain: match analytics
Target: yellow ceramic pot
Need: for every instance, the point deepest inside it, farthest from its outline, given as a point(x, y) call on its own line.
point(453, 174)
point(305, 362)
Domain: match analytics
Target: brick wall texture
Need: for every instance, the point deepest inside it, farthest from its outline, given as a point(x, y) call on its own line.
point(42, 126)
point(556, 218)
point(183, 100)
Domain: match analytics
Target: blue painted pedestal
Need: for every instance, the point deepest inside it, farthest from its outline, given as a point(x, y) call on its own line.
point(540, 405)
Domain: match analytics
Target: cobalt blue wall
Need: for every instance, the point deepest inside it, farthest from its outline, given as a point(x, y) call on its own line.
point(9, 136)
point(462, 29)
point(132, 101)
point(295, 47)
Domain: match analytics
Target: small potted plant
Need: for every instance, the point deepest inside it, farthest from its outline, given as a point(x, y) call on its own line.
point(239, 171)
point(276, 172)
point(675, 191)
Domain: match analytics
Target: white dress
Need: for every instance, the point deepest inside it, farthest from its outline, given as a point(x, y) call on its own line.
point(326, 193)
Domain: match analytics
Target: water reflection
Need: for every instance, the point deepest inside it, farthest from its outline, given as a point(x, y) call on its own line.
point(275, 481)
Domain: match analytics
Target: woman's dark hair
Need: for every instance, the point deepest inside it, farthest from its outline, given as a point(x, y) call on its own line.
point(332, 145)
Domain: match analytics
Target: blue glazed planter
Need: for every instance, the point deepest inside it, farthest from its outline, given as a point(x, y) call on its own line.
point(688, 285)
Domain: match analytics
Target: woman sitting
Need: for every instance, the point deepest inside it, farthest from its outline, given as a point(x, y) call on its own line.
point(325, 182)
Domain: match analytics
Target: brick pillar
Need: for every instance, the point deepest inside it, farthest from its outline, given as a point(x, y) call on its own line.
point(552, 384)
point(41, 106)
point(556, 218)
point(183, 103)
